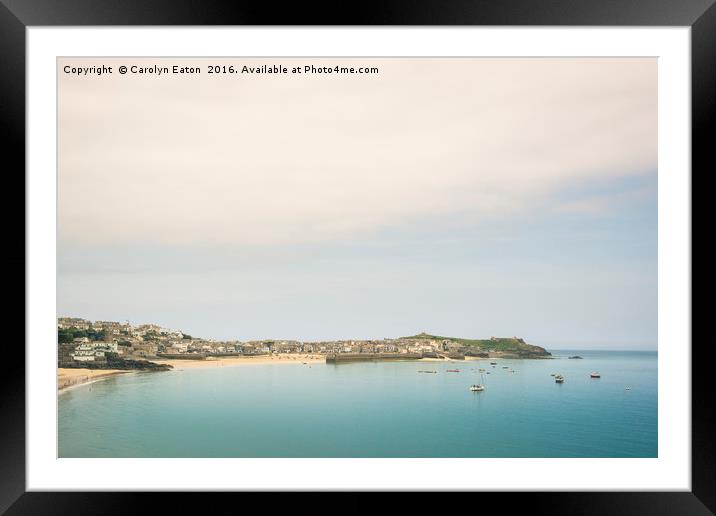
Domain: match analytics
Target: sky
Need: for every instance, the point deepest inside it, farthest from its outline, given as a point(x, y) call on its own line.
point(466, 197)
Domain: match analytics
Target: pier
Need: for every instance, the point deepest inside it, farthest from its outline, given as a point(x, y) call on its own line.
point(364, 357)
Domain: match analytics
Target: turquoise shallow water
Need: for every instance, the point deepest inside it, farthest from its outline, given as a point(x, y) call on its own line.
point(373, 409)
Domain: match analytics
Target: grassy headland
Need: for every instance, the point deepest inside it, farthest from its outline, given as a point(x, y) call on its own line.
point(500, 345)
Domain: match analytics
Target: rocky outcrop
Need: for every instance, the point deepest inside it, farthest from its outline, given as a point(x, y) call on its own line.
point(122, 364)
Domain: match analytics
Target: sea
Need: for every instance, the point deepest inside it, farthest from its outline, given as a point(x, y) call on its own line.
point(372, 409)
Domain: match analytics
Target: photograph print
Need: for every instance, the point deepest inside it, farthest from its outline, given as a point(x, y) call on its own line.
point(357, 257)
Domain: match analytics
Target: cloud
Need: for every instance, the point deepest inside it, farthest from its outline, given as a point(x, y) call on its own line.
point(287, 159)
point(602, 202)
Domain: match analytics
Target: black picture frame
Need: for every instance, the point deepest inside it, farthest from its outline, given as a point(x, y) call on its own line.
point(17, 15)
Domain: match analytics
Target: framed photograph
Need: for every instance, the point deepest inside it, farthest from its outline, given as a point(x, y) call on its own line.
point(404, 251)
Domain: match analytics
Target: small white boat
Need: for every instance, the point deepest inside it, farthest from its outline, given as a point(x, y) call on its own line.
point(477, 387)
point(559, 378)
point(595, 375)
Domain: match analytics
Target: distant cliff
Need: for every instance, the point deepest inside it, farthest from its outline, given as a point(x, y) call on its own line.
point(507, 345)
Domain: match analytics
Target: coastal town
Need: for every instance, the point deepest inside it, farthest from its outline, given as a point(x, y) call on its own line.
point(83, 342)
point(90, 349)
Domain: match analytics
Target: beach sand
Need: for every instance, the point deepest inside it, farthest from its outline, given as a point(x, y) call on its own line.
point(67, 378)
point(271, 359)
point(237, 361)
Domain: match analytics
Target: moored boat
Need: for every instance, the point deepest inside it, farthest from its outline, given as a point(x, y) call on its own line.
point(559, 378)
point(595, 375)
point(476, 387)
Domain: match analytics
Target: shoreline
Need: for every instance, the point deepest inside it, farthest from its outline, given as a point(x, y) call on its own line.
point(69, 378)
point(180, 364)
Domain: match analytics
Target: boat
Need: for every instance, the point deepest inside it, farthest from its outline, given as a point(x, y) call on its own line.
point(559, 378)
point(553, 374)
point(595, 375)
point(479, 386)
point(427, 371)
point(505, 367)
point(575, 357)
point(453, 370)
point(627, 389)
point(481, 370)
point(493, 363)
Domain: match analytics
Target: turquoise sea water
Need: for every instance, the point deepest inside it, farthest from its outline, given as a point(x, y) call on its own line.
point(372, 409)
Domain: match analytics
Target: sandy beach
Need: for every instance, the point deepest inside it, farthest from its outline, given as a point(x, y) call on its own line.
point(270, 359)
point(67, 378)
point(243, 360)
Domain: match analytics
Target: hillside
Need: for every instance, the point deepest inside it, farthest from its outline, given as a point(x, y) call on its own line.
point(502, 344)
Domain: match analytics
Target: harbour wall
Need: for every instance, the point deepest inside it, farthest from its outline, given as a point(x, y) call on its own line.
point(362, 357)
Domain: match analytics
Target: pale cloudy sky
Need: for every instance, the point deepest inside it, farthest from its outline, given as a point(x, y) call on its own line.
point(467, 197)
